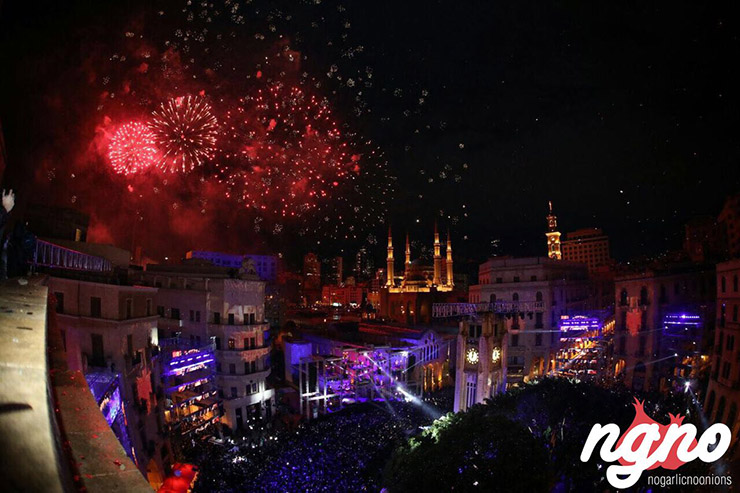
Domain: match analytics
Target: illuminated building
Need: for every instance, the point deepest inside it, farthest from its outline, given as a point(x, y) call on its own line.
point(343, 295)
point(481, 360)
point(110, 332)
point(358, 362)
point(723, 394)
point(311, 289)
point(408, 298)
point(664, 315)
point(589, 246)
point(553, 236)
point(533, 293)
point(267, 266)
point(337, 271)
point(203, 304)
point(188, 374)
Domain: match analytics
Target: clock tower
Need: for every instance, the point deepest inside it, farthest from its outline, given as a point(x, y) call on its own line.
point(481, 360)
point(553, 236)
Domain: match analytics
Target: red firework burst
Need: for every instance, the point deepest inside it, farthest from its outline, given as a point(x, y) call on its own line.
point(286, 153)
point(185, 131)
point(132, 149)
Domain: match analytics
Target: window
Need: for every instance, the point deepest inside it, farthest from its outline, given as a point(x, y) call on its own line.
point(218, 367)
point(160, 310)
point(643, 296)
point(726, 370)
point(175, 313)
point(734, 313)
point(232, 368)
point(252, 318)
point(60, 302)
point(216, 317)
point(533, 278)
point(723, 284)
point(734, 283)
point(539, 296)
point(232, 343)
point(218, 343)
point(233, 392)
point(192, 315)
point(515, 297)
point(129, 308)
point(130, 345)
point(516, 278)
point(197, 316)
point(499, 280)
point(623, 298)
point(252, 342)
point(231, 319)
point(514, 340)
point(538, 340)
point(95, 310)
point(538, 320)
point(148, 307)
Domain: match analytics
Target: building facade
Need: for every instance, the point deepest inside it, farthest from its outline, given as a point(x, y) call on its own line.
point(723, 394)
point(589, 246)
point(203, 305)
point(664, 318)
point(533, 294)
point(109, 333)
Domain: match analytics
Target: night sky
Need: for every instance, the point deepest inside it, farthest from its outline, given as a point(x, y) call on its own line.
point(624, 114)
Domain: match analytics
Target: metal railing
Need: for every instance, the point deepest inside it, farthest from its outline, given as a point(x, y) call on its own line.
point(50, 255)
point(445, 310)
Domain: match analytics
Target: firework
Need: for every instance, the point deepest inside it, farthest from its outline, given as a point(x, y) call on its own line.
point(285, 153)
point(185, 131)
point(132, 149)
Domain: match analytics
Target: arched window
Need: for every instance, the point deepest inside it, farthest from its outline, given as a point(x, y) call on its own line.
point(732, 416)
point(515, 297)
point(720, 410)
point(623, 298)
point(709, 406)
point(539, 296)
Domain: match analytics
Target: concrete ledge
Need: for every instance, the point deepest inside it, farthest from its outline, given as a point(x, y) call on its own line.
point(71, 448)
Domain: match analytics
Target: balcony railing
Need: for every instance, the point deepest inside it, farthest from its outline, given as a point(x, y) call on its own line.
point(50, 255)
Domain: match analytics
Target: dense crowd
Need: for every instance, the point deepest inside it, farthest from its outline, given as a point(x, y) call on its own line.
point(345, 451)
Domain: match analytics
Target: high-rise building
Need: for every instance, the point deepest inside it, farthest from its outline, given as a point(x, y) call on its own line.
point(723, 394)
point(589, 246)
point(203, 304)
point(311, 271)
point(553, 236)
point(337, 271)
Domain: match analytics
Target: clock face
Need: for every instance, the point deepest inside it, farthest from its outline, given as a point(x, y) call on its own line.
point(472, 356)
point(495, 355)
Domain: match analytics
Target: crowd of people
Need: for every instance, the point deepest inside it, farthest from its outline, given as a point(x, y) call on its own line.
point(345, 451)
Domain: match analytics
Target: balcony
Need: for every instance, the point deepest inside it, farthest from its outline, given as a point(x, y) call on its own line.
point(53, 433)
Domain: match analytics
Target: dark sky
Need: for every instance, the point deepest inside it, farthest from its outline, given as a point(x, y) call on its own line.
point(624, 114)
